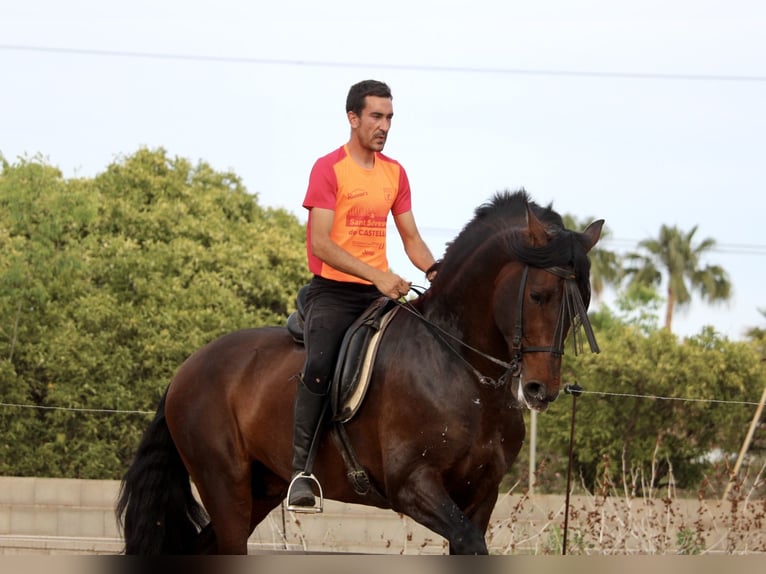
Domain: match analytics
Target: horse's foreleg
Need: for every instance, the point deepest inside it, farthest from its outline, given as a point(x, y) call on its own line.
point(479, 512)
point(424, 499)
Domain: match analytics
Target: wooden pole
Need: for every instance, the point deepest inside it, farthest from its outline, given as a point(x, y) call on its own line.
point(746, 443)
point(573, 390)
point(532, 450)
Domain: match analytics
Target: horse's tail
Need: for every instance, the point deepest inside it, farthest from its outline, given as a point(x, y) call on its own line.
point(156, 509)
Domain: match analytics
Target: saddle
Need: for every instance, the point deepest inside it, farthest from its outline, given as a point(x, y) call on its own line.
point(358, 349)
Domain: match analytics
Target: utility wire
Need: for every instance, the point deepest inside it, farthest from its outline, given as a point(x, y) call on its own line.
point(384, 66)
point(76, 409)
point(583, 391)
point(626, 243)
point(723, 248)
point(661, 398)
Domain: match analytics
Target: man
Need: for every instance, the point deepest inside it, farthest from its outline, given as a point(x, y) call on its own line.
point(350, 194)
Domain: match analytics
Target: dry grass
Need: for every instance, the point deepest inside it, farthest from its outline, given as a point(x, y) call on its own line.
point(617, 520)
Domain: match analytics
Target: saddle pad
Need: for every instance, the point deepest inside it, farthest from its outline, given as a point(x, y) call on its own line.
point(351, 390)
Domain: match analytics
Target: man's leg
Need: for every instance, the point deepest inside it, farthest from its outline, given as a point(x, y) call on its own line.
point(330, 312)
point(309, 407)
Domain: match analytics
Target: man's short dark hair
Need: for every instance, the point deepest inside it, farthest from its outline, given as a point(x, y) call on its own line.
point(358, 92)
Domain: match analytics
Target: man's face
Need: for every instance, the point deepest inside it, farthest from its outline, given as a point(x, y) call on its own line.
point(371, 128)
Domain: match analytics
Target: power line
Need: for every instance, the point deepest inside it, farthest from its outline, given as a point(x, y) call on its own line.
point(661, 398)
point(740, 249)
point(626, 243)
point(75, 409)
point(385, 66)
point(607, 394)
point(727, 248)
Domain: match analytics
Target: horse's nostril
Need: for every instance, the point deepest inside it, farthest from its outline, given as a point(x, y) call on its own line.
point(534, 389)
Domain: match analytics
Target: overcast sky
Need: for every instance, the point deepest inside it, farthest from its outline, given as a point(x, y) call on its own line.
point(642, 113)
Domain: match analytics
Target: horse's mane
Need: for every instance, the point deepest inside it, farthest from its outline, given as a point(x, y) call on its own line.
point(501, 220)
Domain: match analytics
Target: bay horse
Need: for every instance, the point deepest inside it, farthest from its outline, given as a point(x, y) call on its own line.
point(441, 422)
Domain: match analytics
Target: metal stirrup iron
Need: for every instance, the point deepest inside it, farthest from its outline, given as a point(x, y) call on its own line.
point(318, 507)
point(307, 473)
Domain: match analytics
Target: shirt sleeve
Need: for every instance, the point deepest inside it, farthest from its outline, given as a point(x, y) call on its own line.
point(403, 201)
point(323, 186)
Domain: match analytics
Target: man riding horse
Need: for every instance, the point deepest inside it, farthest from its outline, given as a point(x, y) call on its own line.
point(351, 191)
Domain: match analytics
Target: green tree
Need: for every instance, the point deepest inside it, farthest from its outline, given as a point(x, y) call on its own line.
point(757, 333)
point(108, 284)
point(638, 306)
point(650, 397)
point(675, 256)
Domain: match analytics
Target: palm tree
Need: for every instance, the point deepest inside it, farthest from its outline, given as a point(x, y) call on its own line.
point(756, 333)
point(675, 255)
point(606, 266)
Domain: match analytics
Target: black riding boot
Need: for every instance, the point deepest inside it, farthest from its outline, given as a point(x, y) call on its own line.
point(308, 412)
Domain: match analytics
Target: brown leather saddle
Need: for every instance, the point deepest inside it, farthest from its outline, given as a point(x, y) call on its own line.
point(353, 366)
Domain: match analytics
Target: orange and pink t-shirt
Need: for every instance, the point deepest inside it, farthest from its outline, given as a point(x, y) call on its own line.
point(361, 199)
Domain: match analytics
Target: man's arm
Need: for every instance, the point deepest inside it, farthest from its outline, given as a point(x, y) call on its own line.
point(414, 246)
point(323, 247)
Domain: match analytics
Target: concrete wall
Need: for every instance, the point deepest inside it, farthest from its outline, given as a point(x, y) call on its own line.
point(66, 516)
point(58, 515)
point(43, 515)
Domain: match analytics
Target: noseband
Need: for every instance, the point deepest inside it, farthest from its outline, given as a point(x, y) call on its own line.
point(572, 308)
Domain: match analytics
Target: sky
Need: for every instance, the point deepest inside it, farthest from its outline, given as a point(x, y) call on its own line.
point(644, 113)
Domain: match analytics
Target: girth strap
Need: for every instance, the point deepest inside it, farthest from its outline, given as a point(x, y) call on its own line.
point(357, 475)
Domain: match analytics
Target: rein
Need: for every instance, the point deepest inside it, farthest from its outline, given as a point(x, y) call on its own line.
point(572, 307)
point(442, 334)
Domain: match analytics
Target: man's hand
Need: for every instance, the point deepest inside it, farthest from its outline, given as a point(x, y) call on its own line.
point(391, 285)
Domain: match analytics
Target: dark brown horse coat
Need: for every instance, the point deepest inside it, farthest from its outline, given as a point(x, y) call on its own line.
point(441, 423)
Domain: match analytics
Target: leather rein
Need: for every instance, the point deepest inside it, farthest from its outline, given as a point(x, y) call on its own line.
point(572, 307)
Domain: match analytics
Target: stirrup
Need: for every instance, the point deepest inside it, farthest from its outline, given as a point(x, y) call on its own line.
point(317, 508)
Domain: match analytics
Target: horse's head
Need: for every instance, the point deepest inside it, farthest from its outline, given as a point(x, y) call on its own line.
point(538, 296)
point(512, 284)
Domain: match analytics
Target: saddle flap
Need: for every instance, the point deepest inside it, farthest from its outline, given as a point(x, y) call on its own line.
point(356, 356)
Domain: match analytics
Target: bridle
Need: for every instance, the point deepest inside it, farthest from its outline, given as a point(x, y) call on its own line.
point(572, 308)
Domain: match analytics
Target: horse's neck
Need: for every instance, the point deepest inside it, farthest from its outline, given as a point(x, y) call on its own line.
point(465, 311)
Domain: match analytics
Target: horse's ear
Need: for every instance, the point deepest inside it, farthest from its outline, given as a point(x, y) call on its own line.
point(592, 234)
point(538, 235)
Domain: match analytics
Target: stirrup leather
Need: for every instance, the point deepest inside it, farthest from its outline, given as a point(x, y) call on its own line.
point(318, 507)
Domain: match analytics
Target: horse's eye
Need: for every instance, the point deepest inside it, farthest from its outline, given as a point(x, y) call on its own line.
point(536, 297)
